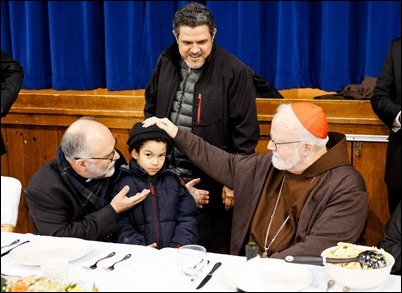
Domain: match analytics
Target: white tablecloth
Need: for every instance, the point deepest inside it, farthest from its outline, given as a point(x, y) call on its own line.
point(155, 270)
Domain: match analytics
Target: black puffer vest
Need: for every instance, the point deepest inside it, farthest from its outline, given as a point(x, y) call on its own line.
point(182, 115)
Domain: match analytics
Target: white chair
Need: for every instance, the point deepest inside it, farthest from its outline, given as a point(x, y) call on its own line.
point(10, 201)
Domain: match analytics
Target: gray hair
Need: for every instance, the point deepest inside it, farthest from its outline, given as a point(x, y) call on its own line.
point(73, 142)
point(300, 131)
point(193, 15)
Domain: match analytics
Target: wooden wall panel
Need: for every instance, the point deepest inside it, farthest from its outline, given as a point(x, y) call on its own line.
point(372, 170)
point(122, 136)
point(32, 155)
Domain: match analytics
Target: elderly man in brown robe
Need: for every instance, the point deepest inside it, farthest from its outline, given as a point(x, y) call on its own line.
point(297, 199)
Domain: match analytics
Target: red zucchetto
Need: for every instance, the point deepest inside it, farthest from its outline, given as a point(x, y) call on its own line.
point(312, 117)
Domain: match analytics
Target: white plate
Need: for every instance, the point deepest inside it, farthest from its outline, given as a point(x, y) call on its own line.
point(267, 275)
point(230, 271)
point(34, 252)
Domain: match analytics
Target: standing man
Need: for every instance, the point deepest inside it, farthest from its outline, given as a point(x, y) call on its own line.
point(205, 90)
point(386, 104)
point(12, 76)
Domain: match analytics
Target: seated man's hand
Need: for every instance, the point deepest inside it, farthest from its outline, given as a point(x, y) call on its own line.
point(201, 196)
point(121, 202)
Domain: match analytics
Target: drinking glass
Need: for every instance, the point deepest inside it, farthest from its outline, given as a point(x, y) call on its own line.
point(191, 260)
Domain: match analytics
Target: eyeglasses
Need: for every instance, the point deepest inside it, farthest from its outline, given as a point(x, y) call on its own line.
point(109, 157)
point(279, 143)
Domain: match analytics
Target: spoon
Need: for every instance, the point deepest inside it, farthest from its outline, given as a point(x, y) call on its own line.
point(330, 284)
point(111, 268)
point(370, 258)
point(95, 265)
point(12, 243)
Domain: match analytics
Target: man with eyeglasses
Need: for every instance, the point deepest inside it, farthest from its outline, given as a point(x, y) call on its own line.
point(299, 198)
point(68, 196)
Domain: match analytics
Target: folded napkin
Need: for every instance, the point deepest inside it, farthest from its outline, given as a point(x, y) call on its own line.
point(10, 199)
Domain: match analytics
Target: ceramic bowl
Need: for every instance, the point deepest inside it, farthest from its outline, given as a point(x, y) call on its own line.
point(353, 276)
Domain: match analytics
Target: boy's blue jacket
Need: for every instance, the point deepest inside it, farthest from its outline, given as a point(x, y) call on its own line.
point(168, 216)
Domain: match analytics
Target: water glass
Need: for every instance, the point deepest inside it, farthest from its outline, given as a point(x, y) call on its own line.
point(191, 260)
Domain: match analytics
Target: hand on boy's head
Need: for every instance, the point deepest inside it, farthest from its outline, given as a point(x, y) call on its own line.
point(122, 202)
point(162, 123)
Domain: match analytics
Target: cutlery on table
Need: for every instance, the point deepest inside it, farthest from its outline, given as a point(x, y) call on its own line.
point(95, 265)
point(8, 251)
point(11, 276)
point(330, 284)
point(12, 243)
point(111, 268)
point(15, 276)
point(209, 276)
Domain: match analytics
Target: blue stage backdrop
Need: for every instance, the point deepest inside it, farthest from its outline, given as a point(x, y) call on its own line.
point(83, 45)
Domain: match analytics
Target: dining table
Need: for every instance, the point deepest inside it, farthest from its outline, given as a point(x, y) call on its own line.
point(148, 269)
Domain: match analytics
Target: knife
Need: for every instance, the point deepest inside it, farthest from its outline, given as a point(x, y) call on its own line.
point(8, 251)
point(209, 276)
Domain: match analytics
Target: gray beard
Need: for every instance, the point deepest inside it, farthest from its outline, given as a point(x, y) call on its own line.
point(285, 165)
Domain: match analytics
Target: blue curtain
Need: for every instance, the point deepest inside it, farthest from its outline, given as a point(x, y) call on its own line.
point(84, 45)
